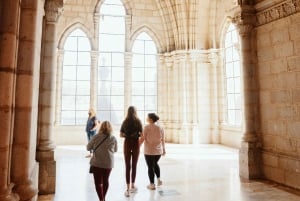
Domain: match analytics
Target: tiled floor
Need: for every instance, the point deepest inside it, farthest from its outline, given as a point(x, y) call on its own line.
point(189, 173)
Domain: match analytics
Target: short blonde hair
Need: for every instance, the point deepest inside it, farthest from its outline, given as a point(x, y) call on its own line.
point(105, 128)
point(93, 112)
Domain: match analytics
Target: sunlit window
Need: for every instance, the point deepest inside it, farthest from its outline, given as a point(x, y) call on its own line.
point(144, 75)
point(111, 62)
point(233, 77)
point(76, 79)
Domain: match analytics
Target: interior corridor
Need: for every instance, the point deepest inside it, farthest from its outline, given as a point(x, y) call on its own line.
point(188, 172)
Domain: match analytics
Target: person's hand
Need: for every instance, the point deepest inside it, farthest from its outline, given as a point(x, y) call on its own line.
point(164, 152)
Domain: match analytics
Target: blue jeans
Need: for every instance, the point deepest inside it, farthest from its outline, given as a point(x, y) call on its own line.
point(90, 134)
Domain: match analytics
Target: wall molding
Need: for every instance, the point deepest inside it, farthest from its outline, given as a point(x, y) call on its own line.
point(279, 11)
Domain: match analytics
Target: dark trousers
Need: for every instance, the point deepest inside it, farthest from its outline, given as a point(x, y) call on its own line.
point(153, 167)
point(131, 155)
point(101, 176)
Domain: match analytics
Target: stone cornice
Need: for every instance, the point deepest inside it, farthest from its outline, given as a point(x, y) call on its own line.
point(278, 11)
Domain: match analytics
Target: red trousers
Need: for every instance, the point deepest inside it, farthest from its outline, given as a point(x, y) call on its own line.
point(131, 155)
point(101, 176)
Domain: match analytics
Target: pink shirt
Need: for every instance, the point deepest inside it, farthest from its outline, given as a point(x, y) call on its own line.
point(154, 140)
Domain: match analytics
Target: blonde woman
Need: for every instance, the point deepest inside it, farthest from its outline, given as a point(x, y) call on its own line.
point(104, 145)
point(91, 126)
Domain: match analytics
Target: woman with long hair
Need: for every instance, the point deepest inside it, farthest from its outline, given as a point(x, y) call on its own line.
point(104, 145)
point(131, 130)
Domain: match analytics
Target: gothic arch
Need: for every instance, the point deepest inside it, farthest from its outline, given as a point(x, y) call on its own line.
point(147, 30)
point(70, 29)
point(127, 6)
point(226, 23)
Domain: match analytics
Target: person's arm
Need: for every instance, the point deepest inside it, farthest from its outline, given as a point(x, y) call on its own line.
point(141, 139)
point(116, 145)
point(90, 145)
point(122, 131)
point(163, 141)
point(95, 124)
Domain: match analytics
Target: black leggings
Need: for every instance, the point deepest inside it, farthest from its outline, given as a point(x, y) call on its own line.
point(153, 167)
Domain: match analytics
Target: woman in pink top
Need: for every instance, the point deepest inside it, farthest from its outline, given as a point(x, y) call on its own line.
point(154, 146)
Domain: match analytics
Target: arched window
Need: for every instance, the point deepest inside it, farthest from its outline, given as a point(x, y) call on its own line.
point(233, 77)
point(144, 75)
point(111, 62)
point(76, 79)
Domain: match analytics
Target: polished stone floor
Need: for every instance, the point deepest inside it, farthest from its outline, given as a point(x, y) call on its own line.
point(189, 173)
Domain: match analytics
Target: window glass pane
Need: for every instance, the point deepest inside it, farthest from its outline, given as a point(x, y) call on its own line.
point(117, 117)
point(231, 117)
point(230, 85)
point(70, 58)
point(83, 73)
point(237, 85)
point(235, 55)
point(68, 117)
point(150, 47)
point(69, 73)
point(83, 88)
point(84, 58)
point(150, 88)
point(138, 74)
point(104, 73)
point(81, 117)
point(237, 69)
point(138, 60)
point(138, 102)
point(117, 102)
point(117, 74)
point(138, 47)
point(231, 101)
point(71, 44)
point(228, 54)
point(84, 44)
point(118, 59)
point(117, 88)
point(138, 88)
point(229, 69)
point(238, 101)
point(68, 103)
point(238, 117)
point(112, 43)
point(112, 7)
point(150, 74)
point(150, 61)
point(83, 103)
point(104, 102)
point(112, 24)
point(104, 88)
point(69, 88)
point(104, 59)
point(150, 103)
point(103, 115)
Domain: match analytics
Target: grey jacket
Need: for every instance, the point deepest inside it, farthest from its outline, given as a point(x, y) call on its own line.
point(103, 157)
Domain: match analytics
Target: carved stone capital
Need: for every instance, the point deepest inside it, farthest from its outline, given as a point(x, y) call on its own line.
point(245, 2)
point(53, 9)
point(245, 20)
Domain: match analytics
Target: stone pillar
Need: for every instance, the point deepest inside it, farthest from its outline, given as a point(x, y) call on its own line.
point(60, 65)
point(128, 80)
point(45, 149)
point(94, 80)
point(25, 123)
point(162, 88)
point(9, 34)
point(250, 155)
point(213, 58)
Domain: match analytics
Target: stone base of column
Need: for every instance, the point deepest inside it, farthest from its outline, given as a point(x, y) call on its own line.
point(250, 160)
point(27, 191)
point(8, 195)
point(47, 172)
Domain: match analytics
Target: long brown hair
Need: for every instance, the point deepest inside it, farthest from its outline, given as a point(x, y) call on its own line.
point(105, 128)
point(132, 123)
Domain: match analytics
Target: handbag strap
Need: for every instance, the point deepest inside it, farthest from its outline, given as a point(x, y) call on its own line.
point(101, 142)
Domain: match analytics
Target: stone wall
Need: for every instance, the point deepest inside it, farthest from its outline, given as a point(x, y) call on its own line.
point(278, 45)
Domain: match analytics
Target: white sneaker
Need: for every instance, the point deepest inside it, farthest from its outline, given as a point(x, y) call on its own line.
point(151, 186)
point(159, 182)
point(127, 194)
point(133, 190)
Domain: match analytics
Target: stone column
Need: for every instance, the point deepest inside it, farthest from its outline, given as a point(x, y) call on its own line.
point(26, 100)
point(128, 80)
point(250, 151)
point(60, 65)
point(94, 80)
point(213, 58)
point(162, 88)
point(45, 149)
point(9, 31)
